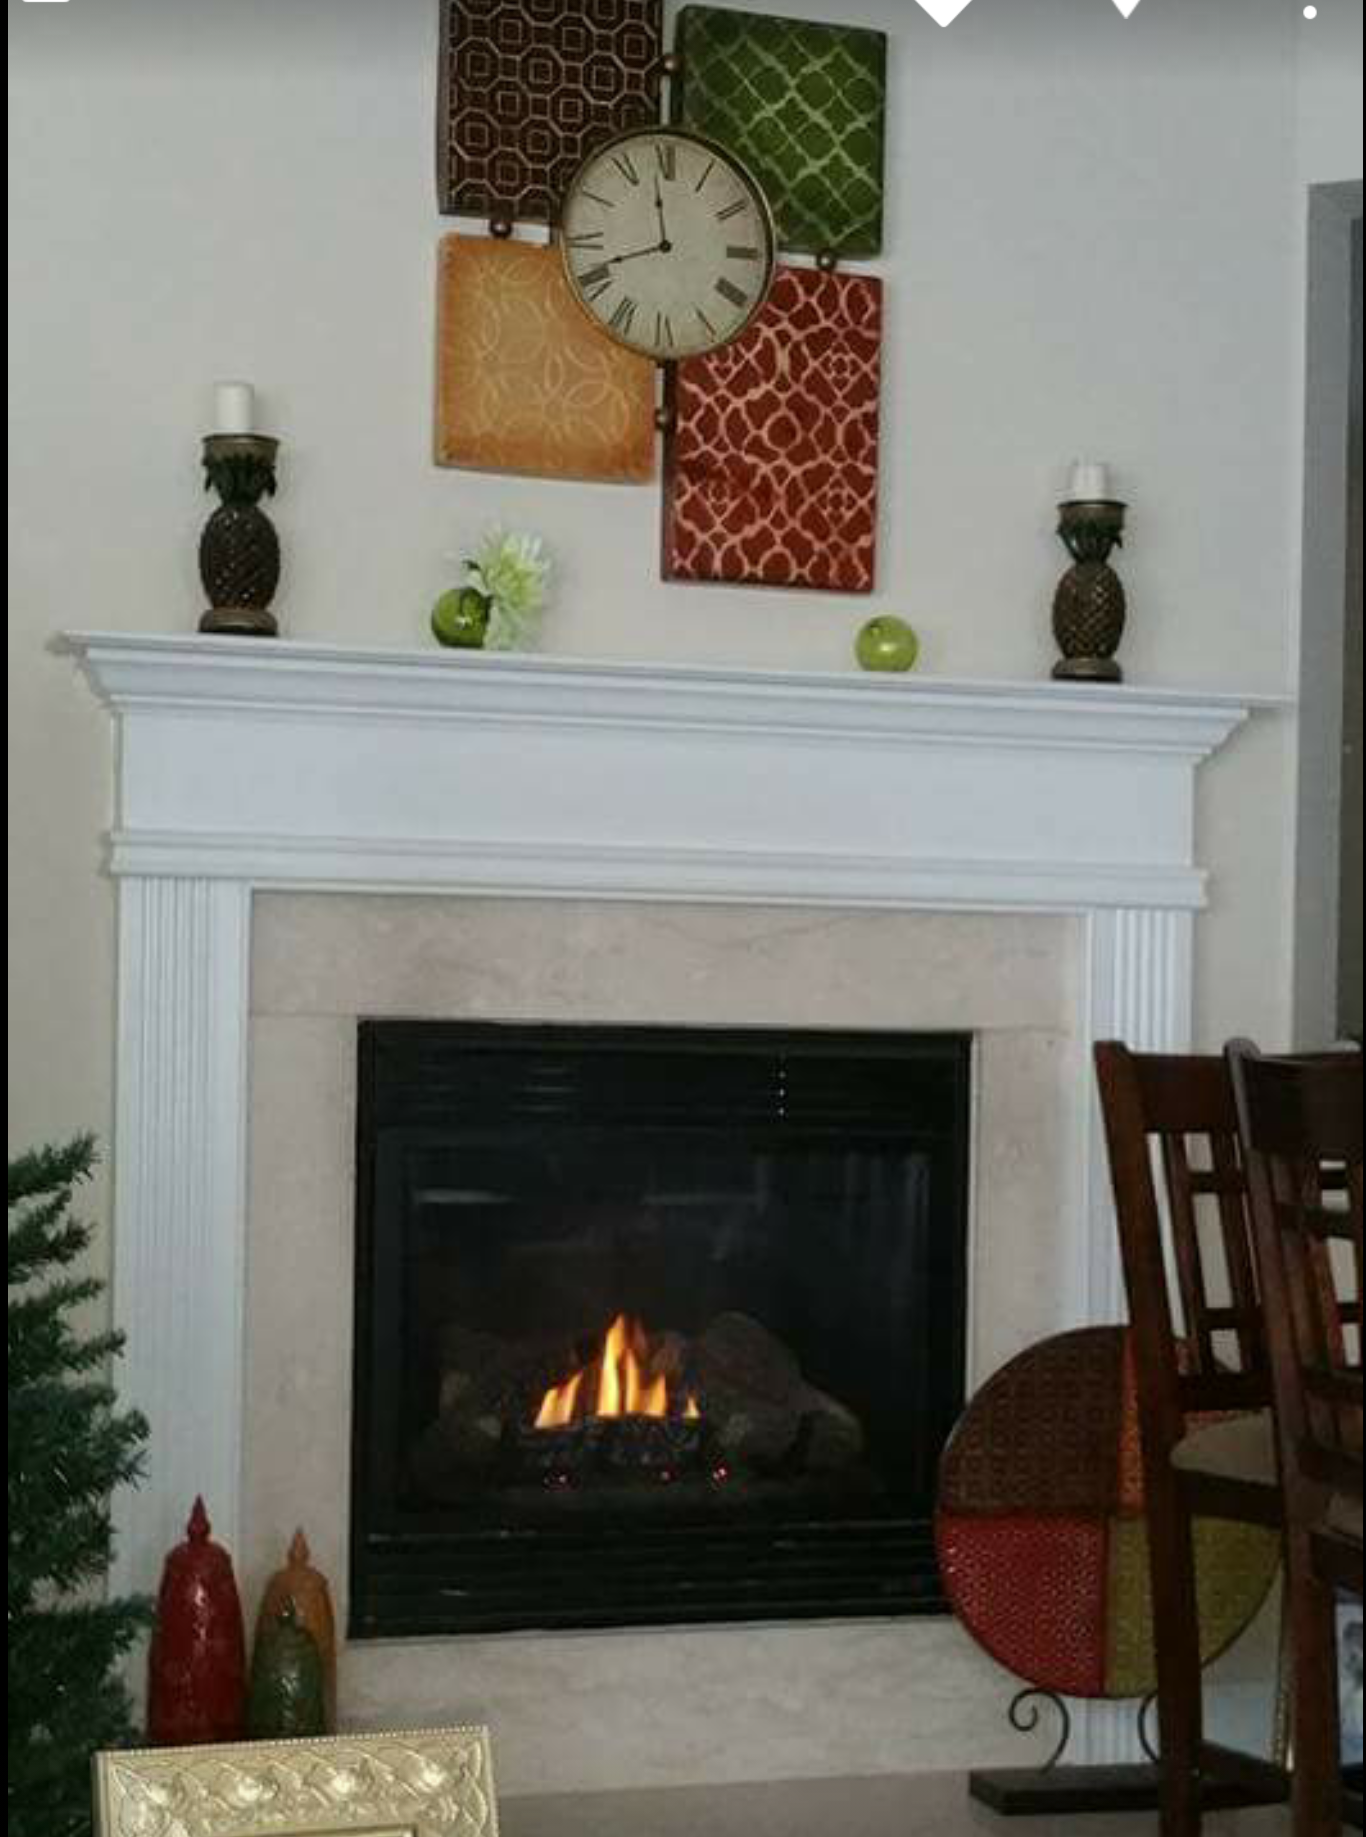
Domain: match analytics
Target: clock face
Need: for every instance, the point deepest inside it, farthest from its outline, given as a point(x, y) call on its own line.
point(667, 242)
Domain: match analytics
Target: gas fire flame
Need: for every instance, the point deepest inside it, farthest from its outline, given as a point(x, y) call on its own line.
point(623, 1387)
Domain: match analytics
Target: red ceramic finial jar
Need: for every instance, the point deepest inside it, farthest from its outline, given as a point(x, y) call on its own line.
point(197, 1668)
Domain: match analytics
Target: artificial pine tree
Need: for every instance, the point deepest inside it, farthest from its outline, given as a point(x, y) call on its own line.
point(68, 1449)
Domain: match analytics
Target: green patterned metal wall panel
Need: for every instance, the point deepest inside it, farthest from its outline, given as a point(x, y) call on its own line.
point(803, 105)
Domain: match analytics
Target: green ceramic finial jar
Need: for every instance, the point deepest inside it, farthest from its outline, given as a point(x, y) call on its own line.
point(287, 1694)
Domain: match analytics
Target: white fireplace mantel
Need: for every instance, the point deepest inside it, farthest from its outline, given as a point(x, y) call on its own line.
point(245, 764)
point(309, 765)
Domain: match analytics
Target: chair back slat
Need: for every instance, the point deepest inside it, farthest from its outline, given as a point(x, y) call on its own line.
point(1327, 1226)
point(1218, 1180)
point(1185, 1247)
point(1301, 1123)
point(1337, 1468)
point(1356, 1316)
point(1222, 1390)
point(1333, 1384)
point(1181, 1207)
point(1236, 1235)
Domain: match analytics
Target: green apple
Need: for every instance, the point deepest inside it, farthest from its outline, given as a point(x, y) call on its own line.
point(460, 618)
point(886, 643)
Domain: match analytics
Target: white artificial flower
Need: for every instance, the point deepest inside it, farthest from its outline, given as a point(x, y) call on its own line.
point(512, 570)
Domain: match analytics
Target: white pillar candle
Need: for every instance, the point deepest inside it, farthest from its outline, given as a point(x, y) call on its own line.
point(234, 408)
point(1089, 480)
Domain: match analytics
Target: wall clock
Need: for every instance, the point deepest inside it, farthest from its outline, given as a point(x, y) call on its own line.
point(667, 242)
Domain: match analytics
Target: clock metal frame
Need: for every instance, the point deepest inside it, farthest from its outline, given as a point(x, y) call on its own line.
point(723, 155)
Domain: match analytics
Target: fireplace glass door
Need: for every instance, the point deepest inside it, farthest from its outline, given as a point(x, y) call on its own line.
point(652, 1325)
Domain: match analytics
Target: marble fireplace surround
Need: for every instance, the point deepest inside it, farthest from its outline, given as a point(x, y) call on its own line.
point(845, 815)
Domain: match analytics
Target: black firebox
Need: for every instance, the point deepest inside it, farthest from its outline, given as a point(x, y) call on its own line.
point(652, 1325)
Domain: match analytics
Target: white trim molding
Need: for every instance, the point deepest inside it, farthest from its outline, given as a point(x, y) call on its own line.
point(248, 764)
point(179, 1266)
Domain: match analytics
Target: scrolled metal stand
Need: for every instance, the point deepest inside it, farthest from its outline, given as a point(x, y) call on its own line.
point(1145, 1740)
point(1027, 1720)
point(1053, 1788)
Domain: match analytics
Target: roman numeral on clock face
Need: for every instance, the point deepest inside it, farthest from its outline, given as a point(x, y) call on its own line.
point(586, 239)
point(733, 209)
point(664, 332)
point(667, 155)
point(626, 166)
point(622, 315)
point(595, 281)
point(729, 291)
point(741, 252)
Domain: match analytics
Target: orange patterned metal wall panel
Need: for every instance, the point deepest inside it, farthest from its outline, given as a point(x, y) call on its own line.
point(771, 472)
point(524, 381)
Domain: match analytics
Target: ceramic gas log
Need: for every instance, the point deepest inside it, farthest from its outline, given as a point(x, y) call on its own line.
point(725, 1407)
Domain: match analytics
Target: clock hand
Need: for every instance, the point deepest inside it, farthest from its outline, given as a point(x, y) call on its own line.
point(631, 255)
point(664, 244)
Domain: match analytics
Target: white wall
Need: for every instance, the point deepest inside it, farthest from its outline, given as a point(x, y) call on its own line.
point(1091, 238)
point(1329, 94)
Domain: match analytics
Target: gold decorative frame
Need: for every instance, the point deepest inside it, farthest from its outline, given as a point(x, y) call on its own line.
point(415, 1783)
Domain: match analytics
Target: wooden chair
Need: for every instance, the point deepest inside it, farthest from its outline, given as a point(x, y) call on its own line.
point(1301, 1127)
point(1195, 1324)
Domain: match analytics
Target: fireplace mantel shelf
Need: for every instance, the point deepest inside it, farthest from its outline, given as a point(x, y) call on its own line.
point(331, 680)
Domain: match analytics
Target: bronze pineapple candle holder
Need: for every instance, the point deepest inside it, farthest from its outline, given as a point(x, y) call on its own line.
point(1089, 605)
point(239, 551)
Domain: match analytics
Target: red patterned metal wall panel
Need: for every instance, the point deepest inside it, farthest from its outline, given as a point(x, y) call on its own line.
point(771, 471)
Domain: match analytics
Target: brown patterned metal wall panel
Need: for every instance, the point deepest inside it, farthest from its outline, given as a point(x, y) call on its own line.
point(528, 88)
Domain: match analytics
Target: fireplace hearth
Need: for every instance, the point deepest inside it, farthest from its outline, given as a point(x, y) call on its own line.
point(653, 1325)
